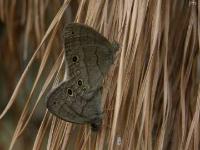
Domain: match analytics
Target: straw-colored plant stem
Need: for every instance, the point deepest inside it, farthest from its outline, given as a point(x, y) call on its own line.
point(151, 95)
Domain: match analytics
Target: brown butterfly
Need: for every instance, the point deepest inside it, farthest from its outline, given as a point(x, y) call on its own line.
point(88, 56)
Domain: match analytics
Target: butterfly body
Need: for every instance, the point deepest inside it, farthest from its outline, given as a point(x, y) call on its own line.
point(88, 58)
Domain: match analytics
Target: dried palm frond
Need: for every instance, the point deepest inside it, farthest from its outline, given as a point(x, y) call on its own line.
point(151, 95)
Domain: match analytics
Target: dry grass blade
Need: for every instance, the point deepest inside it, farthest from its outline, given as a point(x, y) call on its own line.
point(118, 99)
point(41, 132)
point(194, 125)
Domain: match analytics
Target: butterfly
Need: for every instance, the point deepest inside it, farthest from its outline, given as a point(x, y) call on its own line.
point(88, 57)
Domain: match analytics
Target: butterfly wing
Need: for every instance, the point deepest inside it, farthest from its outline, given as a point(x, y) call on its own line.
point(61, 104)
point(87, 52)
point(73, 103)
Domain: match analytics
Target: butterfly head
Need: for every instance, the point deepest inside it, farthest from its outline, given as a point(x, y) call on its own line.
point(96, 124)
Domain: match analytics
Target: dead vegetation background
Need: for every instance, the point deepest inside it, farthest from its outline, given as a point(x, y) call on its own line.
point(151, 96)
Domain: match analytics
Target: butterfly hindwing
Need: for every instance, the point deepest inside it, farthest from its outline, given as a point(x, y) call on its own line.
point(80, 106)
point(59, 103)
